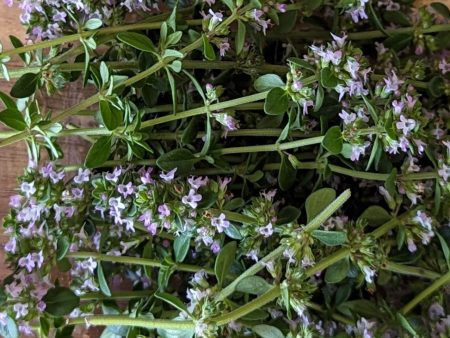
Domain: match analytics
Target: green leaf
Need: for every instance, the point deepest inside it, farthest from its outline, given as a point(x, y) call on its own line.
point(172, 20)
point(436, 86)
point(103, 283)
point(327, 78)
point(87, 58)
point(229, 4)
point(174, 38)
point(10, 329)
point(333, 141)
point(165, 271)
point(267, 331)
point(330, 238)
point(224, 260)
point(371, 109)
point(441, 8)
point(104, 72)
point(208, 50)
point(234, 204)
point(253, 285)
point(26, 85)
point(398, 42)
point(287, 173)
point(172, 53)
point(318, 201)
point(7, 101)
point(445, 248)
point(267, 82)
point(390, 183)
point(233, 232)
point(13, 118)
point(176, 66)
point(172, 300)
point(376, 149)
point(397, 17)
point(92, 24)
point(375, 216)
point(287, 215)
point(191, 131)
point(62, 247)
point(319, 98)
point(277, 102)
point(181, 247)
point(17, 44)
point(111, 116)
point(240, 37)
point(173, 90)
point(302, 64)
point(60, 301)
point(137, 41)
point(406, 325)
point(363, 307)
point(337, 272)
point(99, 152)
point(182, 159)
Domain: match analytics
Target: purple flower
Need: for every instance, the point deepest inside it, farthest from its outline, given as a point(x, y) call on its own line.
point(28, 189)
point(215, 247)
point(146, 176)
point(422, 219)
point(126, 190)
point(27, 262)
point(224, 46)
point(220, 223)
point(82, 176)
point(11, 245)
point(296, 86)
point(191, 199)
point(398, 106)
point(266, 231)
point(114, 176)
point(444, 66)
point(282, 8)
point(129, 224)
point(435, 311)
point(339, 41)
point(411, 245)
point(198, 182)
point(444, 172)
point(392, 83)
point(405, 125)
point(216, 17)
point(15, 201)
point(47, 170)
point(77, 193)
point(358, 150)
point(346, 117)
point(223, 182)
point(169, 176)
point(21, 310)
point(368, 274)
point(164, 210)
point(59, 16)
point(352, 66)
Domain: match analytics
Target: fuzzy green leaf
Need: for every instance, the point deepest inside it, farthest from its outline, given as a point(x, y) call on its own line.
point(60, 301)
point(26, 85)
point(277, 102)
point(267, 82)
point(224, 260)
point(318, 201)
point(99, 152)
point(137, 41)
point(333, 140)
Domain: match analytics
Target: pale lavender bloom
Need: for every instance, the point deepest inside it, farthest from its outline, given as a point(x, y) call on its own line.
point(47, 170)
point(55, 177)
point(3, 318)
point(411, 245)
point(164, 210)
point(405, 125)
point(334, 57)
point(216, 17)
point(358, 12)
point(114, 176)
point(59, 16)
point(306, 104)
point(206, 235)
point(89, 285)
point(116, 203)
point(224, 46)
point(435, 311)
point(392, 83)
point(420, 146)
point(266, 231)
point(199, 276)
point(146, 176)
point(41, 306)
point(447, 145)
point(82, 176)
point(268, 195)
point(169, 176)
point(444, 66)
point(197, 183)
point(38, 258)
point(129, 224)
point(191, 199)
point(356, 88)
point(380, 48)
point(88, 265)
point(352, 66)
point(346, 117)
point(398, 106)
point(27, 262)
point(404, 144)
point(58, 212)
point(438, 133)
point(223, 182)
point(368, 274)
point(11, 245)
point(220, 223)
point(410, 101)
point(146, 218)
point(77, 193)
point(341, 90)
point(358, 150)
point(14, 289)
point(289, 253)
point(215, 247)
point(210, 2)
point(126, 189)
point(444, 172)
point(424, 220)
point(21, 310)
point(28, 189)
point(25, 328)
point(282, 8)
point(15, 201)
point(253, 254)
point(365, 327)
point(296, 86)
point(339, 41)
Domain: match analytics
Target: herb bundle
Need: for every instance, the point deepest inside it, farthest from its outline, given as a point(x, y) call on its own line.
point(258, 169)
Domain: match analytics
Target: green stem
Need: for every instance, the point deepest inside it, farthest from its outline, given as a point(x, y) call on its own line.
point(118, 295)
point(335, 316)
point(137, 261)
point(251, 306)
point(410, 270)
point(83, 35)
point(325, 35)
point(146, 323)
point(435, 286)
